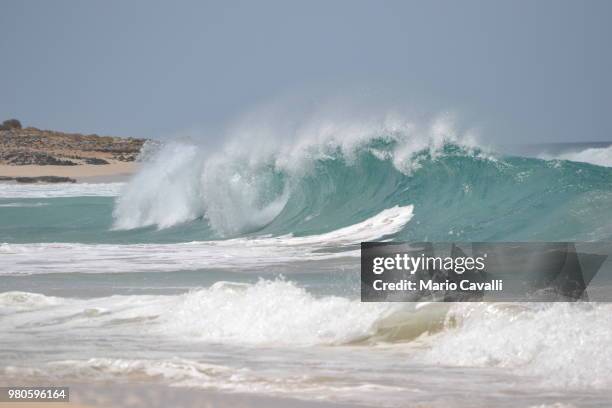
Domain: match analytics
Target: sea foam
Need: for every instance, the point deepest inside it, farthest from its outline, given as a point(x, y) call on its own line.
point(557, 346)
point(601, 156)
point(249, 254)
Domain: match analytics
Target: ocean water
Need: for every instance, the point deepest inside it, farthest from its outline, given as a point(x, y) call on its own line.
point(238, 270)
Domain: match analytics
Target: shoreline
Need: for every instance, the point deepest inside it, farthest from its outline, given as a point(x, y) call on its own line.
point(84, 173)
point(30, 155)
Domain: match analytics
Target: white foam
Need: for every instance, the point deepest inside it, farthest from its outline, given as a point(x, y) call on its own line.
point(270, 312)
point(246, 183)
point(387, 222)
point(561, 344)
point(600, 156)
point(250, 254)
point(18, 301)
point(165, 190)
point(8, 190)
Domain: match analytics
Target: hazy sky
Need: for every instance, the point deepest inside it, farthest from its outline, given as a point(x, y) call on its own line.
point(519, 70)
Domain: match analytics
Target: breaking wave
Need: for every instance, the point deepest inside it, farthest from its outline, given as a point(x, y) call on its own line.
point(536, 340)
point(561, 344)
point(321, 178)
point(249, 254)
point(281, 185)
point(599, 156)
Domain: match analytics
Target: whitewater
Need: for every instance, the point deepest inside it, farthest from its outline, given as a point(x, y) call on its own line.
point(236, 268)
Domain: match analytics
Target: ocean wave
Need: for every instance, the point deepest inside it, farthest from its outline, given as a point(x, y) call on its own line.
point(248, 185)
point(560, 344)
point(599, 156)
point(276, 312)
point(556, 345)
point(333, 174)
point(248, 254)
point(269, 312)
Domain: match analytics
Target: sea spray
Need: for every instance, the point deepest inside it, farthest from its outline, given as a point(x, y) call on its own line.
point(245, 185)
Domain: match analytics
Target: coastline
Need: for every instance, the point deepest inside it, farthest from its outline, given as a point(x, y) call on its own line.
point(31, 155)
point(84, 173)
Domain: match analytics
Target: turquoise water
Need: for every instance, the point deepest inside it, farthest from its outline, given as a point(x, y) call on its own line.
point(81, 219)
point(457, 196)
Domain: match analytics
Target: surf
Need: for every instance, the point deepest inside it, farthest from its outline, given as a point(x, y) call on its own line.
point(529, 339)
point(335, 175)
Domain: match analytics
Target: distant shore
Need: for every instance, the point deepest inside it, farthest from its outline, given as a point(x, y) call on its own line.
point(29, 153)
point(84, 173)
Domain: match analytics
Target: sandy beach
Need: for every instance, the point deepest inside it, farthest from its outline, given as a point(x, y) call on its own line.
point(32, 153)
point(114, 171)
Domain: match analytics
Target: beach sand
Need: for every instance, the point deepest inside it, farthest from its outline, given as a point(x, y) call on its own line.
point(115, 171)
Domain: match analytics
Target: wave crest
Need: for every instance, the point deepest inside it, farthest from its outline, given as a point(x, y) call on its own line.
point(245, 185)
point(599, 156)
point(329, 175)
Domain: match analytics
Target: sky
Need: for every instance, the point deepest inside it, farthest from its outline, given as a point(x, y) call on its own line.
point(522, 71)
